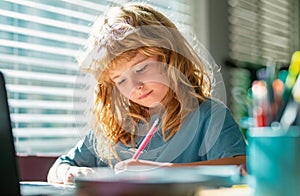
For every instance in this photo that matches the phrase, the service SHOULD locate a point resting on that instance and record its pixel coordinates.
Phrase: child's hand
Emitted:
(69, 174)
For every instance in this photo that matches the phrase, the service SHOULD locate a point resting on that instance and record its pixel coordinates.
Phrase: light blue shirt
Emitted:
(208, 133)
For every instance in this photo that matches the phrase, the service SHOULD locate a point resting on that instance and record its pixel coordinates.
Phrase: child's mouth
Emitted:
(145, 95)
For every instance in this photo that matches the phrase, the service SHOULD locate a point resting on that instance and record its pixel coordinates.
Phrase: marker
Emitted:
(296, 90)
(146, 140)
(290, 113)
(296, 96)
(260, 103)
(271, 68)
(277, 105)
(293, 72)
(282, 75)
(268, 75)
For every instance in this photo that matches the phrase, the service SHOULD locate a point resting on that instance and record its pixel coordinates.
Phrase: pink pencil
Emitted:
(146, 139)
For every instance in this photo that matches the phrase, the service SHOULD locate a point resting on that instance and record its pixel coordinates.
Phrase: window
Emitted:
(264, 29)
(39, 42)
(259, 30)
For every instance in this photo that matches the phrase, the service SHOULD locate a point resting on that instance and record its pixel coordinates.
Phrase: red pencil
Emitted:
(146, 139)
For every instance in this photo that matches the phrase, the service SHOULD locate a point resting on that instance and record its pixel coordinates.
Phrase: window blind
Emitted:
(39, 40)
(263, 29)
(260, 30)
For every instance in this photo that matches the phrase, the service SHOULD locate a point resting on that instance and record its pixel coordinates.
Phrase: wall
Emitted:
(212, 29)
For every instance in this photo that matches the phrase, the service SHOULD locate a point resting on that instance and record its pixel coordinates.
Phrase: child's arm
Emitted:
(236, 160)
(79, 160)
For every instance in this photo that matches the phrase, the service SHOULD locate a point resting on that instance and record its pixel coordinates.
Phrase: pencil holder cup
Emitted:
(273, 157)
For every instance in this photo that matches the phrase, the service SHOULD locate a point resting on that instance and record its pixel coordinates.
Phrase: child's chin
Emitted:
(157, 108)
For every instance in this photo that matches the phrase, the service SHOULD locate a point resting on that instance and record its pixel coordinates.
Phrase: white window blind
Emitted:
(263, 29)
(39, 40)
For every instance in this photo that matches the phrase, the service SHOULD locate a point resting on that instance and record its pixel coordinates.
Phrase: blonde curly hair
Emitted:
(121, 34)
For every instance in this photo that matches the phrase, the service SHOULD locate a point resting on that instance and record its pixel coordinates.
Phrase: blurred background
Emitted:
(39, 40)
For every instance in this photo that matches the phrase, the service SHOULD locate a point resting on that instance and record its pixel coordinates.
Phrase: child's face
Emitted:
(142, 80)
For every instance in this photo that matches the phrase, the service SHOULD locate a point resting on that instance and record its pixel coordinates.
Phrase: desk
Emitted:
(196, 181)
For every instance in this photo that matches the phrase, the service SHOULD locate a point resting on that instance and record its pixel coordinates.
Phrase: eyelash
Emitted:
(142, 69)
(120, 82)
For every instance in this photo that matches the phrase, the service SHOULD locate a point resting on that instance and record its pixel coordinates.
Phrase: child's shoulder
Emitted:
(214, 108)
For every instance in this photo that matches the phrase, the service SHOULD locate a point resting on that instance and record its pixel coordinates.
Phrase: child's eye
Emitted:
(121, 81)
(142, 69)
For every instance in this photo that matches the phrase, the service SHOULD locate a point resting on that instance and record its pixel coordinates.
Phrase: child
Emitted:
(146, 70)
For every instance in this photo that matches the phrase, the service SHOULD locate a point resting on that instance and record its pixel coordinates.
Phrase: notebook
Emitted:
(9, 171)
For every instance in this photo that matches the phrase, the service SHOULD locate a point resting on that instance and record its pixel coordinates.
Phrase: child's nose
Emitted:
(137, 83)
(140, 85)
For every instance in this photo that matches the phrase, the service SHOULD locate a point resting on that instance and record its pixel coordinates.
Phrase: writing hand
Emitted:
(138, 165)
(72, 172)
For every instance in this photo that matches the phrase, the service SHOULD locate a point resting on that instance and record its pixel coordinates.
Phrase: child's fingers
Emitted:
(74, 172)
